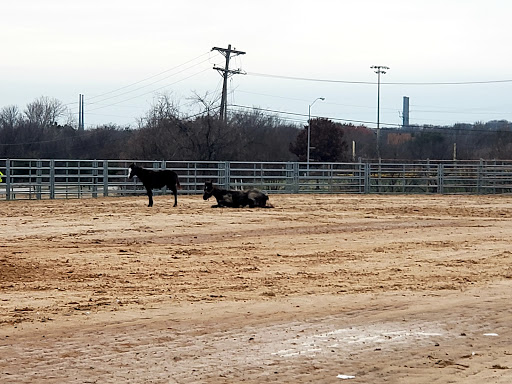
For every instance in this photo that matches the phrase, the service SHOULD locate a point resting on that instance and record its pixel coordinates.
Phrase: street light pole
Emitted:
(309, 126)
(378, 70)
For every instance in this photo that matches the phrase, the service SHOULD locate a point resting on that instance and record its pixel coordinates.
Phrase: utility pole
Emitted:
(379, 69)
(226, 73)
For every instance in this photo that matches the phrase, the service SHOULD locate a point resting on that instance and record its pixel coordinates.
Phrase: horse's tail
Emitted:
(178, 185)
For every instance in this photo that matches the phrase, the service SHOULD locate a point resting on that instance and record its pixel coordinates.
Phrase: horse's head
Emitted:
(208, 190)
(131, 170)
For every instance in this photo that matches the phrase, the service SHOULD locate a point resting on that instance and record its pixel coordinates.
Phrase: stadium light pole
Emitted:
(379, 69)
(309, 126)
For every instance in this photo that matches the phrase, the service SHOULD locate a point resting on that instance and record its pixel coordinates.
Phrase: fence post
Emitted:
(367, 177)
(95, 178)
(163, 167)
(440, 179)
(195, 178)
(8, 179)
(52, 179)
(79, 178)
(105, 178)
(291, 177)
(227, 174)
(38, 179)
(479, 177)
(295, 177)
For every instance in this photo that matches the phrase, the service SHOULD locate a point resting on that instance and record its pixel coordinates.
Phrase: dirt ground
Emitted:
(320, 289)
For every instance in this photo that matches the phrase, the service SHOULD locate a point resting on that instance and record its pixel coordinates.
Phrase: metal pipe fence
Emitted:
(55, 179)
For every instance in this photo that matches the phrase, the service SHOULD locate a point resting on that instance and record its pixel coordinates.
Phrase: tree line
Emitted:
(45, 129)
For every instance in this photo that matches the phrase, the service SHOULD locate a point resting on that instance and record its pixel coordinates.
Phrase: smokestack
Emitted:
(405, 114)
(81, 112)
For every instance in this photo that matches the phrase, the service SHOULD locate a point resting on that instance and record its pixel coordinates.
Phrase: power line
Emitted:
(147, 85)
(141, 81)
(416, 108)
(308, 79)
(306, 101)
(303, 115)
(152, 91)
(131, 91)
(435, 129)
(374, 83)
(150, 77)
(458, 112)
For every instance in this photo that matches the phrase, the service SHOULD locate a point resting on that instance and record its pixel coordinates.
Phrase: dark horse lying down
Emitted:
(235, 199)
(156, 179)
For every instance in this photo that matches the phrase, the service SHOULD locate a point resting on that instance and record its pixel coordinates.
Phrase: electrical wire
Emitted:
(308, 101)
(152, 77)
(461, 131)
(148, 85)
(303, 115)
(152, 91)
(414, 108)
(375, 83)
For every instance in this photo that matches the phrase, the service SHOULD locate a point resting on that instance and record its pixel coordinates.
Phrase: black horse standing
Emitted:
(156, 179)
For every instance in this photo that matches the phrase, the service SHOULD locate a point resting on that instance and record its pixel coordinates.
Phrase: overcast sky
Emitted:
(123, 54)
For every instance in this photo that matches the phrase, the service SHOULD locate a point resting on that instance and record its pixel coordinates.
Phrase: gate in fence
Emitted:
(53, 179)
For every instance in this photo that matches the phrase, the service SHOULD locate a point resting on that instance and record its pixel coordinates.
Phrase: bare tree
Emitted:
(263, 137)
(10, 116)
(44, 112)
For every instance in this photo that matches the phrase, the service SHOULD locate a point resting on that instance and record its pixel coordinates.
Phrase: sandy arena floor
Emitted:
(320, 289)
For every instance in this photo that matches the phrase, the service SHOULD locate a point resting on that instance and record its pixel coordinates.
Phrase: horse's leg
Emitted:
(150, 196)
(175, 193)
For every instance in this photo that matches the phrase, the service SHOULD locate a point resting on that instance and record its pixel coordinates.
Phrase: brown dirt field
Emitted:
(382, 289)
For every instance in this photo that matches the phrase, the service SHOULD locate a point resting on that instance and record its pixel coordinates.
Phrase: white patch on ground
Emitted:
(352, 339)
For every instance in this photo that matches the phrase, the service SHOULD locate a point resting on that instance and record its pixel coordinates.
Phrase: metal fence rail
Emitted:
(54, 179)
